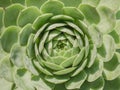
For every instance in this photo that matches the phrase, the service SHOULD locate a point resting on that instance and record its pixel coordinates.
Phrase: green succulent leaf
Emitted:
(90, 13)
(13, 11)
(107, 19)
(24, 34)
(59, 44)
(77, 81)
(1, 18)
(6, 69)
(10, 34)
(8, 85)
(27, 15)
(52, 6)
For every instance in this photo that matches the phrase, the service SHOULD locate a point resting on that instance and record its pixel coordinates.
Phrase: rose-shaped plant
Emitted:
(60, 45)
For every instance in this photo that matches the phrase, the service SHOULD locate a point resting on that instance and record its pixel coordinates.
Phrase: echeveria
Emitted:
(60, 45)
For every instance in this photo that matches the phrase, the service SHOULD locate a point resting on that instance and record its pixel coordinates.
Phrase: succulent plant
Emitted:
(59, 45)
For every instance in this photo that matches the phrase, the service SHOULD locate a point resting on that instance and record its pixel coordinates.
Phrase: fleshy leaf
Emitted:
(90, 13)
(118, 14)
(53, 66)
(73, 12)
(95, 71)
(60, 18)
(117, 26)
(96, 35)
(91, 2)
(1, 18)
(79, 57)
(28, 15)
(57, 79)
(77, 81)
(36, 3)
(116, 38)
(18, 1)
(24, 34)
(112, 84)
(65, 71)
(73, 3)
(108, 48)
(92, 55)
(107, 21)
(52, 6)
(81, 66)
(40, 83)
(9, 37)
(30, 47)
(58, 59)
(5, 85)
(112, 68)
(68, 62)
(41, 69)
(114, 5)
(13, 11)
(17, 55)
(95, 85)
(5, 3)
(41, 20)
(6, 70)
(60, 87)
(22, 78)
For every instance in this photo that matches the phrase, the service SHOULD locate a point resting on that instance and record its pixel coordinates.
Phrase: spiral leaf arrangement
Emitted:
(60, 45)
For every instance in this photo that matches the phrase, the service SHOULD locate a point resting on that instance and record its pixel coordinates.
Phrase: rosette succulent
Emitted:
(59, 45)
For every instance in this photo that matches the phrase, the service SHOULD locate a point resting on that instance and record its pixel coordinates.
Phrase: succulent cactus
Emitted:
(59, 45)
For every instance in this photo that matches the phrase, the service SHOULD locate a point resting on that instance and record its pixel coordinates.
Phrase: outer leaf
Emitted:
(61, 18)
(92, 55)
(41, 20)
(41, 84)
(9, 37)
(112, 68)
(6, 69)
(24, 34)
(95, 71)
(81, 66)
(118, 14)
(91, 2)
(113, 84)
(4, 3)
(30, 47)
(90, 13)
(11, 14)
(96, 35)
(77, 81)
(5, 85)
(107, 21)
(1, 18)
(108, 49)
(28, 15)
(95, 85)
(71, 2)
(17, 55)
(73, 12)
(114, 5)
(18, 1)
(22, 78)
(36, 3)
(52, 6)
